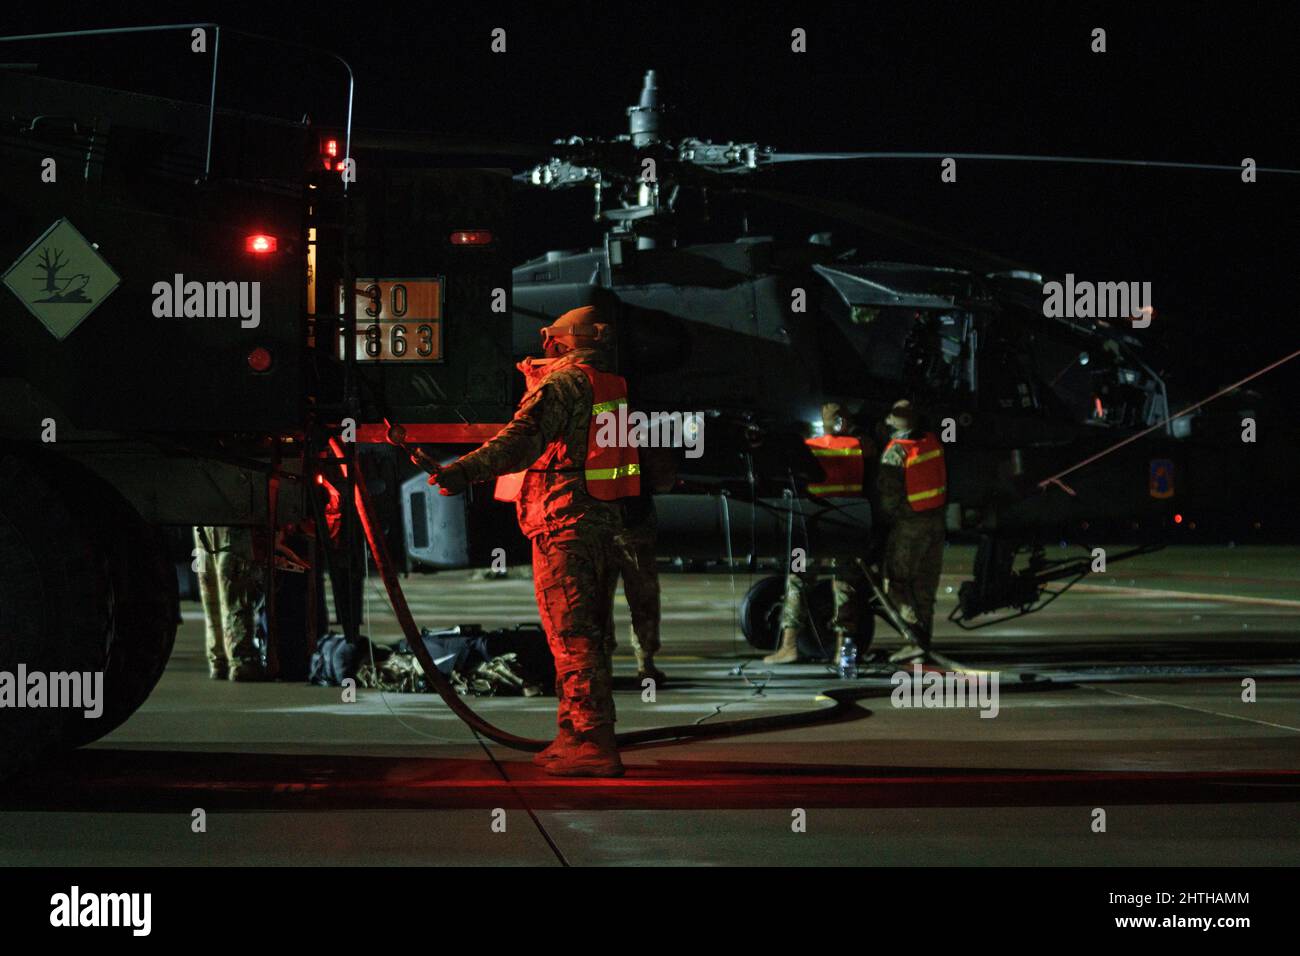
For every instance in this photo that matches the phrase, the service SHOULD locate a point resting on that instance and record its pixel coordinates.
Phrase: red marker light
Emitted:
(259, 244)
(1178, 519)
(259, 360)
(329, 147)
(471, 237)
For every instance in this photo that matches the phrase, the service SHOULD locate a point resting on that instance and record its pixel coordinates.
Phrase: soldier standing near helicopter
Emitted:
(842, 454)
(634, 561)
(913, 492)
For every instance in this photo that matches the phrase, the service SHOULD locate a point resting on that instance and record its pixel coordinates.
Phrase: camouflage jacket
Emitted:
(892, 481)
(548, 436)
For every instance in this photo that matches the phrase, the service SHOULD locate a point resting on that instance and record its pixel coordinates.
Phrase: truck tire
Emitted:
(146, 613)
(145, 610)
(55, 604)
(91, 589)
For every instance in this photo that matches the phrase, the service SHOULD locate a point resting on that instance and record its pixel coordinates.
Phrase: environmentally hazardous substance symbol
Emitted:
(61, 278)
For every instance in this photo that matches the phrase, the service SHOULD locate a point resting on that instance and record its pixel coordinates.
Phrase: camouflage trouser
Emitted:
(229, 583)
(634, 559)
(913, 560)
(572, 570)
(848, 587)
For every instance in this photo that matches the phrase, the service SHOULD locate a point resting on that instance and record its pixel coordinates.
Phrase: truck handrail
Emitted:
(216, 29)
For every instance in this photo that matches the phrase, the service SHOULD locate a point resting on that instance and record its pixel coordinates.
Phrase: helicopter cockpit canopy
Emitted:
(910, 325)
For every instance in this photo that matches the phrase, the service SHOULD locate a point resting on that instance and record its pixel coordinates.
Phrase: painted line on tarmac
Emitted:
(1199, 710)
(1199, 595)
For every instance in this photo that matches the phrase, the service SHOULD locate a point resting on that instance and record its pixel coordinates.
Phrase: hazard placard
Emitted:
(398, 320)
(61, 278)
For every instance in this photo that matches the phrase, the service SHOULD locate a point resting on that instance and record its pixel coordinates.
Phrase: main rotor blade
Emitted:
(418, 141)
(890, 227)
(1021, 158)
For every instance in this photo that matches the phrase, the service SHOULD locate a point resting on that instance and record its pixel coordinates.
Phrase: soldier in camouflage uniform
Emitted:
(914, 548)
(848, 588)
(847, 582)
(634, 561)
(572, 535)
(229, 583)
(634, 555)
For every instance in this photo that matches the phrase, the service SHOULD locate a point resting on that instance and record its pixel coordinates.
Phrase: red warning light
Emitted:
(259, 244)
(329, 147)
(259, 360)
(471, 237)
(1178, 519)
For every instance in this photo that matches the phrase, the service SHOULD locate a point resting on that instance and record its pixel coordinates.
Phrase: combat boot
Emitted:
(788, 652)
(248, 671)
(910, 651)
(645, 667)
(565, 739)
(593, 754)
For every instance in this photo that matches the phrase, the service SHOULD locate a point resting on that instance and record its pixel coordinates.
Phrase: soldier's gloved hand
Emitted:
(450, 480)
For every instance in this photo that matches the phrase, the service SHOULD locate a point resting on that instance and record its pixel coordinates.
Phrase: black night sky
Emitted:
(1189, 82)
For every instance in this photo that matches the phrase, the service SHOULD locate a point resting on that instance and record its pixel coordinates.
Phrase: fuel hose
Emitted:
(844, 705)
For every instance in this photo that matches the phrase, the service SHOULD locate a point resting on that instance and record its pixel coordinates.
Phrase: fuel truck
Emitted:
(213, 300)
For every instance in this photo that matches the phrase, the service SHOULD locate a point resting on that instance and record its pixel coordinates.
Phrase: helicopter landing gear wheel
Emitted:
(760, 619)
(760, 613)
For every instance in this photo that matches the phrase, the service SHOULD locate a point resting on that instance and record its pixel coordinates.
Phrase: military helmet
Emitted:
(830, 412)
(901, 417)
(578, 328)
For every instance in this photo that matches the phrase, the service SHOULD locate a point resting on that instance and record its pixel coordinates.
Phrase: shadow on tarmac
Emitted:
(100, 780)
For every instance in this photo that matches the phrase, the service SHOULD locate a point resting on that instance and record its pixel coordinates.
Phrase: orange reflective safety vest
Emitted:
(841, 459)
(611, 472)
(925, 472)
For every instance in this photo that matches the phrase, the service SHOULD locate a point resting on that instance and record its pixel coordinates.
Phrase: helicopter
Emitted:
(756, 333)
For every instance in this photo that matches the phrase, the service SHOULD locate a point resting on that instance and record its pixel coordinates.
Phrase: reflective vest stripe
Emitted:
(925, 470)
(602, 407)
(605, 474)
(840, 459)
(922, 495)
